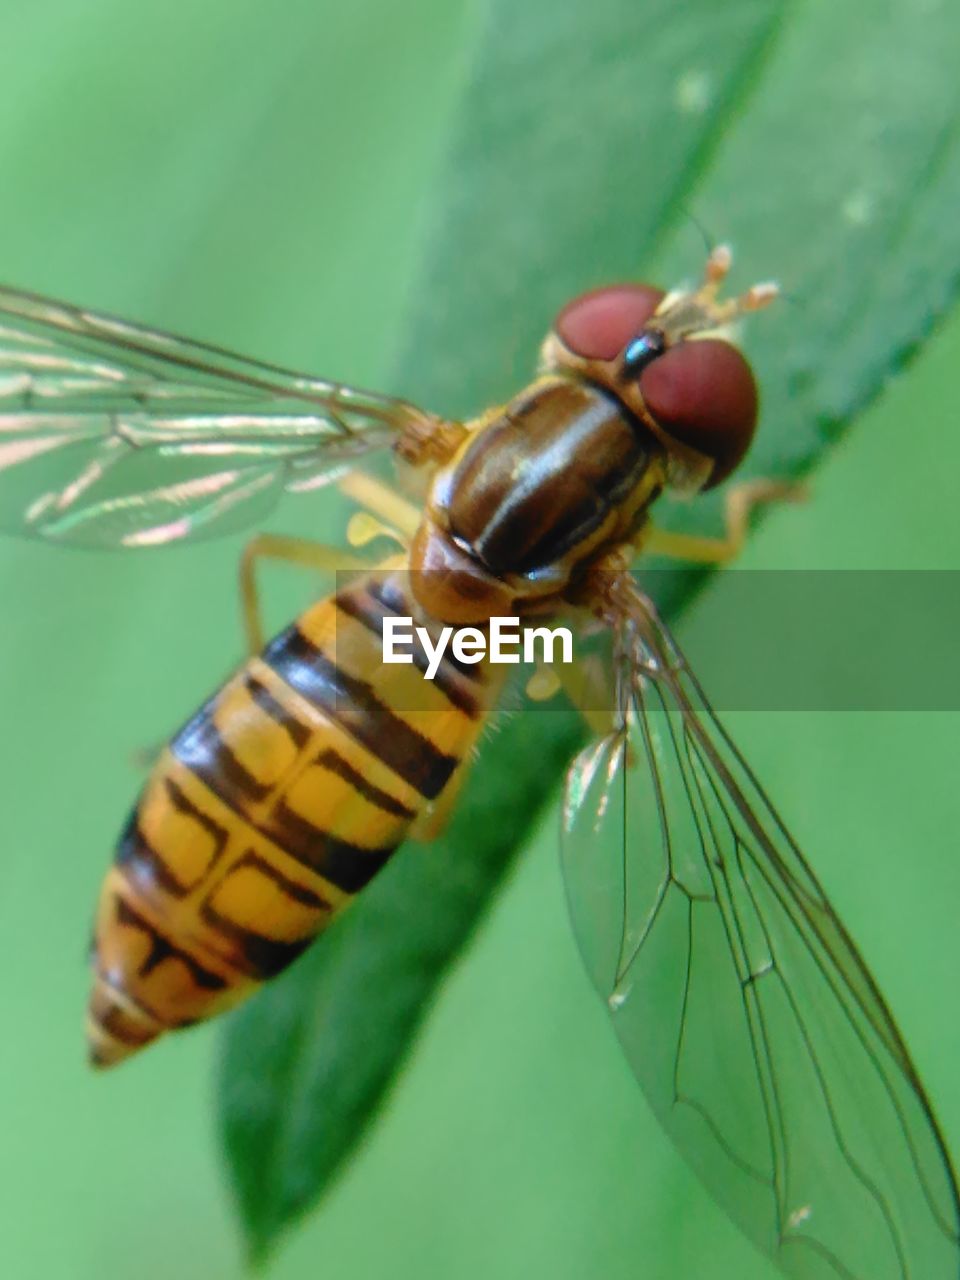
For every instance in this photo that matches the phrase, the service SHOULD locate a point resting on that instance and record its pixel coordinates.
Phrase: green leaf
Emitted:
(822, 142)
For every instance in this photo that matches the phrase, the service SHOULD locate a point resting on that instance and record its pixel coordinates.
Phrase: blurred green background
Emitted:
(260, 177)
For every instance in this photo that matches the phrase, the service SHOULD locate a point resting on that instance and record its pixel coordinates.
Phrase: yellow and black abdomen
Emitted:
(269, 811)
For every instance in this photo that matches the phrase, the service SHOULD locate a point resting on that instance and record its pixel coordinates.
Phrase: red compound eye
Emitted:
(701, 392)
(598, 325)
(704, 395)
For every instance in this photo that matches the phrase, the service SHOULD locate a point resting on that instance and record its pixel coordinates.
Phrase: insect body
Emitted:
(747, 1015)
(273, 806)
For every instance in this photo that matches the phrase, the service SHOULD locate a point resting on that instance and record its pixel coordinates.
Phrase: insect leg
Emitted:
(316, 556)
(584, 687)
(382, 501)
(740, 502)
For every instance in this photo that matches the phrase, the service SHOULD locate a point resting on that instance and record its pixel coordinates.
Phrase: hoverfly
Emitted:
(753, 1026)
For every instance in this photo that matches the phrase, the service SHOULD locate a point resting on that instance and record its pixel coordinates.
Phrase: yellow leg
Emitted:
(381, 500)
(588, 692)
(316, 556)
(740, 501)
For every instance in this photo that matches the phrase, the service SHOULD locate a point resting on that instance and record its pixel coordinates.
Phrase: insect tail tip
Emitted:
(114, 1032)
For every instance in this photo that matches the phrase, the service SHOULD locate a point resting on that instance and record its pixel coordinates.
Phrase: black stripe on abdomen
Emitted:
(200, 746)
(371, 605)
(149, 865)
(335, 763)
(262, 956)
(162, 949)
(353, 704)
(348, 866)
(202, 749)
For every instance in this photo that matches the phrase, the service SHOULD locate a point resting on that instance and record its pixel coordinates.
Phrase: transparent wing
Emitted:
(116, 435)
(756, 1031)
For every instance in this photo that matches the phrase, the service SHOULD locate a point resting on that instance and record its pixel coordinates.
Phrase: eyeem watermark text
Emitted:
(505, 641)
